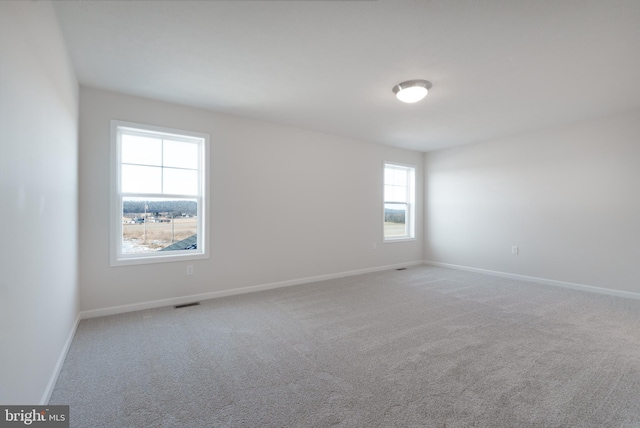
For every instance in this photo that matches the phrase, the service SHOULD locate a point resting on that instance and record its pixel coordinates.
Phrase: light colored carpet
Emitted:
(422, 347)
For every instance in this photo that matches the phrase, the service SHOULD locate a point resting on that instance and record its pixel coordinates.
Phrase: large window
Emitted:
(158, 205)
(399, 197)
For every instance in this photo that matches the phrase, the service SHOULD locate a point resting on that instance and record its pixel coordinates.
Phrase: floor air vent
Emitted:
(186, 305)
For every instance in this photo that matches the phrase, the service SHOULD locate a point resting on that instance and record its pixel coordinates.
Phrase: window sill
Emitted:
(392, 240)
(128, 261)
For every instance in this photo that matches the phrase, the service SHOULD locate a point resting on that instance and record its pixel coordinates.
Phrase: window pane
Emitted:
(395, 194)
(388, 175)
(180, 181)
(180, 154)
(400, 194)
(395, 216)
(388, 193)
(141, 179)
(399, 177)
(141, 150)
(154, 225)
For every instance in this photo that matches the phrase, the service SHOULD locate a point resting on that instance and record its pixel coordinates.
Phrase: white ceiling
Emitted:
(498, 67)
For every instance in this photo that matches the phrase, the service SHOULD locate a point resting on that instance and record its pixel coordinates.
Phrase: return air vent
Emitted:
(186, 305)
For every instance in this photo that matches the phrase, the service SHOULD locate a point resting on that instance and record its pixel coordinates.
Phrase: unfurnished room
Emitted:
(314, 213)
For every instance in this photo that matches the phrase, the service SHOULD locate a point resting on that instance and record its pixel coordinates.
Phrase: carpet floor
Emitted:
(421, 347)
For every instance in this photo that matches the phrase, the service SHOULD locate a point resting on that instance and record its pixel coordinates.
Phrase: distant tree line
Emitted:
(177, 208)
(394, 216)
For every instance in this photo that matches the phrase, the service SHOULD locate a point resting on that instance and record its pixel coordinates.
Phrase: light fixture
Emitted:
(412, 91)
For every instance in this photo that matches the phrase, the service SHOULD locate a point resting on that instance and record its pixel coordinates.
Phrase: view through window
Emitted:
(399, 194)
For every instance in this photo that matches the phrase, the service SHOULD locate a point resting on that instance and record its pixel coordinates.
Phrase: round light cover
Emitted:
(412, 91)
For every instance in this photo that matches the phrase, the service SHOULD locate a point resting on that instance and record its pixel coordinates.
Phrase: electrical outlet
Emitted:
(189, 269)
(515, 250)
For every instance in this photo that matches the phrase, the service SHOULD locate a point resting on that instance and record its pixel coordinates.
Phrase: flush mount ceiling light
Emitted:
(412, 91)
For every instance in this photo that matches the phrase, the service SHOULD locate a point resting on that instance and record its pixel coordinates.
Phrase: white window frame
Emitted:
(117, 258)
(411, 205)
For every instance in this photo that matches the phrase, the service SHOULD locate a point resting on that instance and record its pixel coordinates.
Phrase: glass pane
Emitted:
(395, 176)
(395, 216)
(156, 224)
(395, 194)
(179, 154)
(141, 150)
(141, 179)
(400, 194)
(388, 193)
(180, 181)
(388, 175)
(399, 177)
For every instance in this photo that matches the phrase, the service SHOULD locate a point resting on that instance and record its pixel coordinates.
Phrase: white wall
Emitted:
(330, 188)
(38, 190)
(569, 198)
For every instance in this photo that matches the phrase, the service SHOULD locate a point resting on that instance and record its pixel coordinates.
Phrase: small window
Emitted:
(158, 206)
(399, 197)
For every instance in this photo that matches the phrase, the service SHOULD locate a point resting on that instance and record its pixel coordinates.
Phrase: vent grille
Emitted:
(187, 305)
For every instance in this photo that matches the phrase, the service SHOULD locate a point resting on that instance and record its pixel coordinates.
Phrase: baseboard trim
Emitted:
(113, 310)
(46, 396)
(553, 282)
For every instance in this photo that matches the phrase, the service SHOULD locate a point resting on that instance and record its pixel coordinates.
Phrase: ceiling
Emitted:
(498, 67)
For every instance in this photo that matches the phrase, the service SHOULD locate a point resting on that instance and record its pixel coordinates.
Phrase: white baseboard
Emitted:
(564, 284)
(113, 310)
(58, 367)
